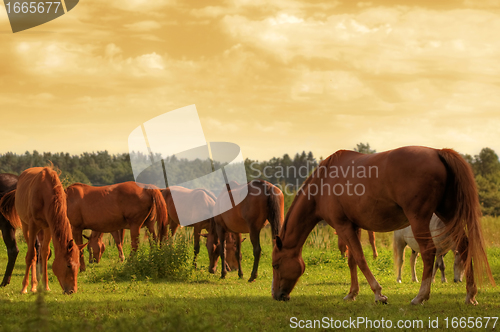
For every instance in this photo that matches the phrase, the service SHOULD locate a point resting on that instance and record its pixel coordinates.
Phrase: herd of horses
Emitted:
(427, 196)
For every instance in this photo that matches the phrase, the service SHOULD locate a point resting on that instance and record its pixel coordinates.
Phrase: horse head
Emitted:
(288, 266)
(66, 266)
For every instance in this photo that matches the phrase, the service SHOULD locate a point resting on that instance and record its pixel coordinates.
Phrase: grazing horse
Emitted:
(97, 247)
(111, 208)
(383, 192)
(371, 237)
(264, 202)
(404, 237)
(39, 203)
(8, 182)
(213, 248)
(200, 201)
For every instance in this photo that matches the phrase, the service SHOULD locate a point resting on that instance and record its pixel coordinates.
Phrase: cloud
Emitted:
(143, 26)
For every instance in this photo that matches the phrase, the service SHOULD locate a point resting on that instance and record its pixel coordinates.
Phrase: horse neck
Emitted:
(300, 220)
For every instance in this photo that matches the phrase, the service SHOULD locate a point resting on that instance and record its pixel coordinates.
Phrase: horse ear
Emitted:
(279, 244)
(70, 245)
(82, 246)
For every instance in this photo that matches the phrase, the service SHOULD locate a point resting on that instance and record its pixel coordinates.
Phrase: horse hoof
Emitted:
(417, 301)
(240, 276)
(471, 301)
(350, 297)
(381, 298)
(251, 279)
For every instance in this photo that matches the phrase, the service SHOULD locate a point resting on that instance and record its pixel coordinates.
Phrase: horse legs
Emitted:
(420, 229)
(439, 265)
(471, 288)
(221, 234)
(342, 246)
(118, 236)
(371, 237)
(255, 239)
(458, 267)
(45, 250)
(78, 237)
(134, 236)
(196, 236)
(349, 234)
(399, 253)
(238, 253)
(353, 269)
(9, 237)
(413, 265)
(30, 259)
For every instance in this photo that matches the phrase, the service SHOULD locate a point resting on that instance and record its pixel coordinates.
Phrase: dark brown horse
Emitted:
(201, 202)
(111, 208)
(371, 237)
(39, 203)
(383, 192)
(264, 202)
(8, 182)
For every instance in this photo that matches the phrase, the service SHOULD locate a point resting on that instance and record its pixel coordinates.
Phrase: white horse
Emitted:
(404, 237)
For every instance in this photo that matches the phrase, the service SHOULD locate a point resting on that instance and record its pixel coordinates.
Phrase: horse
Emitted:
(384, 192)
(8, 182)
(111, 208)
(404, 237)
(371, 237)
(213, 248)
(97, 247)
(200, 201)
(264, 202)
(39, 203)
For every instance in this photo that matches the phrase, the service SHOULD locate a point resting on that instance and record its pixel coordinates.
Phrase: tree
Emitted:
(364, 148)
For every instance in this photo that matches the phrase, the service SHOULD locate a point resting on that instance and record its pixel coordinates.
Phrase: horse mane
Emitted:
(58, 208)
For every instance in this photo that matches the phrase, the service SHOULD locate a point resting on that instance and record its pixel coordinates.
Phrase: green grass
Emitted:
(109, 301)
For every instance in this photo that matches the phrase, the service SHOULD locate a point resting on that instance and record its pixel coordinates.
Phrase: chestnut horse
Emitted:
(201, 202)
(8, 182)
(39, 203)
(264, 202)
(371, 237)
(404, 237)
(111, 208)
(383, 192)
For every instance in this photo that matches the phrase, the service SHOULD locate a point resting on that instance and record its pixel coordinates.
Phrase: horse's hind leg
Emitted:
(371, 238)
(342, 246)
(439, 265)
(399, 253)
(463, 249)
(221, 234)
(9, 237)
(413, 265)
(78, 238)
(353, 269)
(119, 236)
(349, 234)
(423, 237)
(238, 253)
(255, 239)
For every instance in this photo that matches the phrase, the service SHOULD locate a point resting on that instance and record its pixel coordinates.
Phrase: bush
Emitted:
(170, 261)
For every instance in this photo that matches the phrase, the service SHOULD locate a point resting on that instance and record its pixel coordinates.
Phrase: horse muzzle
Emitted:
(281, 296)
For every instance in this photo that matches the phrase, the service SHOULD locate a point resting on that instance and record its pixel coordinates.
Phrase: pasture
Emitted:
(199, 301)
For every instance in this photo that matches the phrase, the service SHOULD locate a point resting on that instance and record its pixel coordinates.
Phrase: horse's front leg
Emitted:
(428, 252)
(45, 250)
(196, 236)
(221, 234)
(134, 236)
(353, 269)
(349, 234)
(238, 253)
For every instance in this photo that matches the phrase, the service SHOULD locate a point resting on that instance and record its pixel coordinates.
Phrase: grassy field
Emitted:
(107, 302)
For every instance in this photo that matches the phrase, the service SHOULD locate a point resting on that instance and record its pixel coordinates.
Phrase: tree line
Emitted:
(101, 168)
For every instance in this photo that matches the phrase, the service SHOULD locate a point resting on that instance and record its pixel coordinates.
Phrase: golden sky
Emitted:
(275, 77)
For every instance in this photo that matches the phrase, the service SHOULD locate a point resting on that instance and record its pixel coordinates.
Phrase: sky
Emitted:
(274, 77)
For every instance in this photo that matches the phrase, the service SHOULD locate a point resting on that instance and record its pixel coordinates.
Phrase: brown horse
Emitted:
(97, 247)
(201, 202)
(111, 208)
(39, 203)
(371, 237)
(383, 192)
(8, 182)
(264, 202)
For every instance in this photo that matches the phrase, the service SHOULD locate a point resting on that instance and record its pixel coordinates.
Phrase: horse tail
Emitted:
(8, 208)
(275, 208)
(161, 213)
(465, 224)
